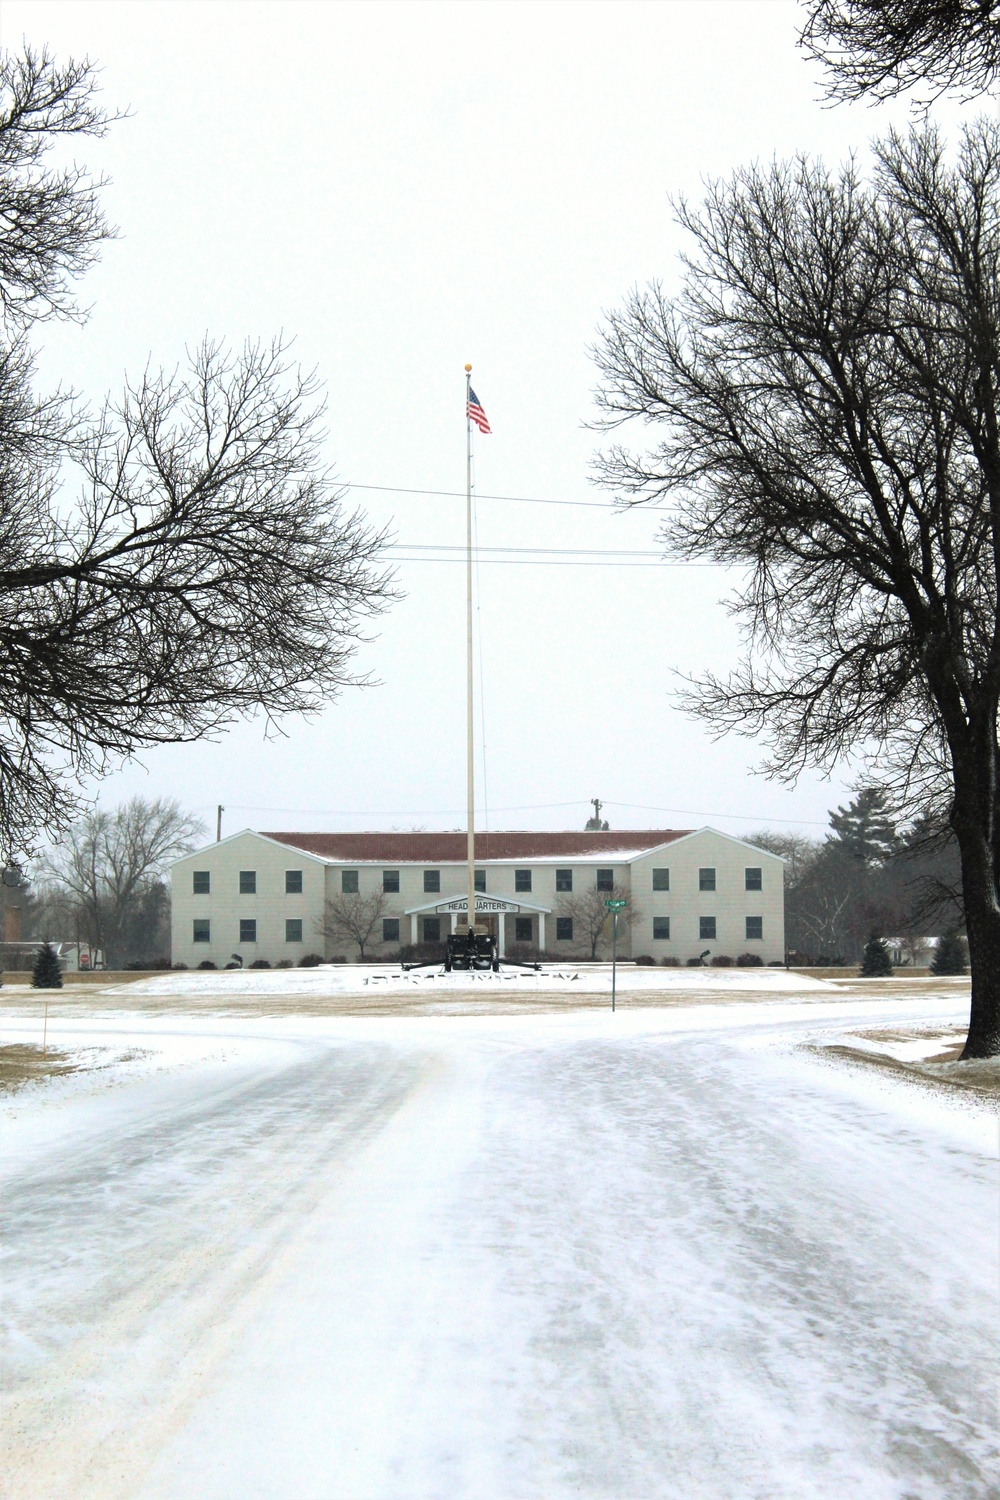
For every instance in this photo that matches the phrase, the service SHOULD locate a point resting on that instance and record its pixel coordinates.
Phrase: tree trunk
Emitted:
(983, 927)
(972, 818)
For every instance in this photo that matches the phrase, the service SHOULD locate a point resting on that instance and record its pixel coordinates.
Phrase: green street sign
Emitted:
(615, 905)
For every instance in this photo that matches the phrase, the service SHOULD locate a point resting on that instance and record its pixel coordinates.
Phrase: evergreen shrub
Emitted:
(876, 962)
(310, 961)
(207, 963)
(749, 961)
(949, 957)
(46, 972)
(722, 961)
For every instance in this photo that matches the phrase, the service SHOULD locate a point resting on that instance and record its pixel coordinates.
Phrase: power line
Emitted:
(561, 551)
(528, 562)
(610, 507)
(689, 812)
(539, 556)
(539, 551)
(393, 812)
(447, 812)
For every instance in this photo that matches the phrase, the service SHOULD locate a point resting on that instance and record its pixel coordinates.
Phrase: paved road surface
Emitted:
(672, 1256)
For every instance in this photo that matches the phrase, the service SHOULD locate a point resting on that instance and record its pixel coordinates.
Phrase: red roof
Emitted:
(450, 848)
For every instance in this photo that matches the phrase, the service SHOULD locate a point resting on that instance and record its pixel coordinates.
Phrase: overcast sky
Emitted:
(402, 188)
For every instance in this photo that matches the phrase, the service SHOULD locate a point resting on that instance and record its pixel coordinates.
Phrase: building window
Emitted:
(248, 882)
(564, 880)
(201, 882)
(564, 929)
(605, 880)
(293, 929)
(661, 880)
(755, 929)
(432, 926)
(293, 882)
(432, 882)
(349, 882)
(661, 929)
(390, 929)
(754, 878)
(480, 880)
(202, 930)
(522, 930)
(390, 881)
(706, 929)
(706, 878)
(248, 929)
(522, 880)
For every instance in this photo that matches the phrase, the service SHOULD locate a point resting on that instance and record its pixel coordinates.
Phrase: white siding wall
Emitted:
(730, 903)
(224, 906)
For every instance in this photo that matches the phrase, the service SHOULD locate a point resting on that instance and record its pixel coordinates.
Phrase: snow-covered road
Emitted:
(661, 1254)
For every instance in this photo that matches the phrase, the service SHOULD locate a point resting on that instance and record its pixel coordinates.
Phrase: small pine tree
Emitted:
(950, 955)
(876, 962)
(47, 971)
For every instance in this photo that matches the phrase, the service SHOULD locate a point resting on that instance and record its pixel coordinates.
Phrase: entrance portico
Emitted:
(488, 909)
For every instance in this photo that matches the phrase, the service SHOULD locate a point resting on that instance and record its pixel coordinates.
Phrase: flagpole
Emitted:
(470, 761)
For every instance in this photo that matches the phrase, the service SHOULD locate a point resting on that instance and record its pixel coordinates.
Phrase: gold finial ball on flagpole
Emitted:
(468, 369)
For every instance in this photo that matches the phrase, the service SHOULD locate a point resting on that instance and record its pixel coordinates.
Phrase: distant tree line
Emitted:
(105, 885)
(868, 876)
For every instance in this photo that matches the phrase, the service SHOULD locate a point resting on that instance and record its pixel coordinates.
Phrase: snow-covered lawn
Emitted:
(674, 1252)
(571, 979)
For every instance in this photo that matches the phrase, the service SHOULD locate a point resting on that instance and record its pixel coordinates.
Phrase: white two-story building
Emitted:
(266, 895)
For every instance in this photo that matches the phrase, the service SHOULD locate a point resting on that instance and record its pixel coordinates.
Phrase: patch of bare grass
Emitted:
(375, 1002)
(23, 1062)
(939, 1070)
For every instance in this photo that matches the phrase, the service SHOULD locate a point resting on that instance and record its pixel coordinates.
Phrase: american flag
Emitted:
(475, 412)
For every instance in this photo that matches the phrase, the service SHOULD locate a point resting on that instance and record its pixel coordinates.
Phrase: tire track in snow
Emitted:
(193, 1252)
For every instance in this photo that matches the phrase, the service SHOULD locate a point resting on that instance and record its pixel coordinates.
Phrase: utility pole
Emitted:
(594, 824)
(218, 822)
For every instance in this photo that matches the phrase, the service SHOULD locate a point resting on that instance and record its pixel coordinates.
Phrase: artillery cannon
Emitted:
(471, 950)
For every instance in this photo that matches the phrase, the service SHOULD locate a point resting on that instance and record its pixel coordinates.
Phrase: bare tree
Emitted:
(107, 872)
(826, 387)
(794, 848)
(208, 571)
(179, 561)
(52, 223)
(353, 915)
(590, 914)
(877, 50)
